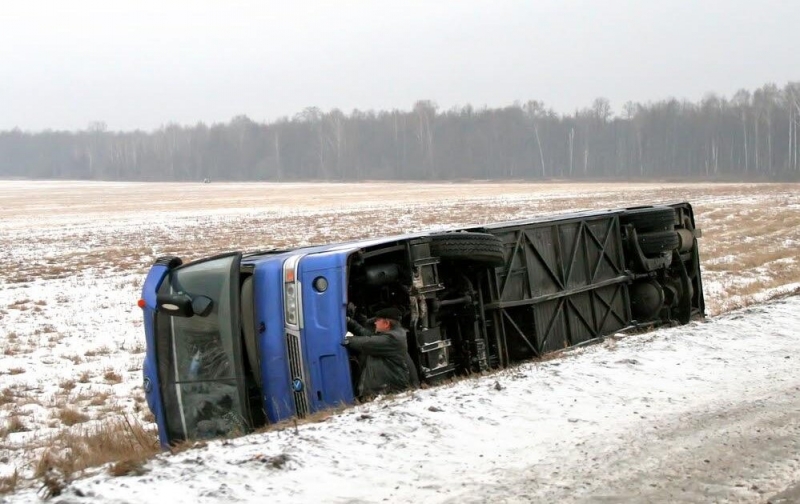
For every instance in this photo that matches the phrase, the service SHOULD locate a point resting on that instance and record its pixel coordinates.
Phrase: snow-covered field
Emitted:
(629, 419)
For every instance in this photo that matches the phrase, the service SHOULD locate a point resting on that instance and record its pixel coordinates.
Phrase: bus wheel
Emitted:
(660, 218)
(653, 244)
(473, 247)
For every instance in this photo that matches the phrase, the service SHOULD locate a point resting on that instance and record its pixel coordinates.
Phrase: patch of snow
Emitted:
(540, 431)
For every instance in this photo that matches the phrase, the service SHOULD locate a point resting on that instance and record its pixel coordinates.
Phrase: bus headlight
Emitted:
(291, 292)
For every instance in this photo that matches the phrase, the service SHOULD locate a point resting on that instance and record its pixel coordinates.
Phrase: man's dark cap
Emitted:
(389, 313)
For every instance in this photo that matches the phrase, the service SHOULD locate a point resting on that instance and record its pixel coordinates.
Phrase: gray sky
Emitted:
(146, 63)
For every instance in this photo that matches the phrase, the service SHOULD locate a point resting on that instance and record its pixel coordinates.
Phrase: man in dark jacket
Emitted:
(386, 365)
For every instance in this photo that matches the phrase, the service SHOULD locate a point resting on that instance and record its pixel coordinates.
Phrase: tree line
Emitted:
(752, 135)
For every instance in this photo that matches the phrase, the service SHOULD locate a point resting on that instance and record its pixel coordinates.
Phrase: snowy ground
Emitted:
(704, 413)
(630, 419)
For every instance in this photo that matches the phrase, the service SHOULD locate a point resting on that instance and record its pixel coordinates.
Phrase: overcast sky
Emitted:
(146, 63)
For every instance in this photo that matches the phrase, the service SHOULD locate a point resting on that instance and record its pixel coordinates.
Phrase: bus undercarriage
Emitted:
(487, 297)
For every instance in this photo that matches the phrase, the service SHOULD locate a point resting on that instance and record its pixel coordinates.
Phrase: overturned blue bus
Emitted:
(241, 340)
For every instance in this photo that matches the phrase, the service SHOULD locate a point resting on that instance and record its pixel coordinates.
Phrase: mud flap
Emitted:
(642, 262)
(684, 311)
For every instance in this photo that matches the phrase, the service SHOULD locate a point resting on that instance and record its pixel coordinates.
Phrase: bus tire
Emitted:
(659, 218)
(482, 248)
(653, 244)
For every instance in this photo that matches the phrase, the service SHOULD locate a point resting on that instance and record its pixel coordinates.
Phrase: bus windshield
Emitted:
(201, 389)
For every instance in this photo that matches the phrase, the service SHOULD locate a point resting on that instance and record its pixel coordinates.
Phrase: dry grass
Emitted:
(87, 394)
(47, 329)
(75, 359)
(750, 250)
(136, 348)
(20, 304)
(113, 408)
(9, 483)
(13, 425)
(111, 440)
(123, 250)
(111, 376)
(67, 385)
(127, 467)
(104, 350)
(316, 417)
(745, 220)
(71, 416)
(8, 396)
(12, 350)
(100, 399)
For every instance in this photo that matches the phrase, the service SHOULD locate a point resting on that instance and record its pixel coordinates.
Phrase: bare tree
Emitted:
(535, 110)
(741, 100)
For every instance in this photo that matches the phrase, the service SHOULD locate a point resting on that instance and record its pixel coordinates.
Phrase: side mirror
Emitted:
(201, 305)
(183, 305)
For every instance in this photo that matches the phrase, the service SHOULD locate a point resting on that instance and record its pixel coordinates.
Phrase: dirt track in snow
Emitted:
(715, 455)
